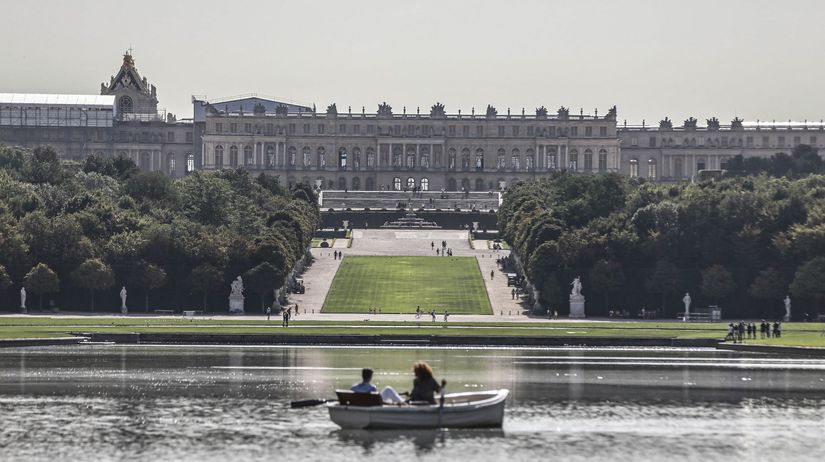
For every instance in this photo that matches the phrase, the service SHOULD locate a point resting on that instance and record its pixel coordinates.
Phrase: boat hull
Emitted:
(461, 410)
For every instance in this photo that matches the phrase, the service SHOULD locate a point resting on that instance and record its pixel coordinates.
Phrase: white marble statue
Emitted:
(686, 300)
(237, 287)
(23, 299)
(123, 308)
(577, 287)
(787, 308)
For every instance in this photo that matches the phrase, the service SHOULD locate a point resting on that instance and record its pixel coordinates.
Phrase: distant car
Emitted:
(512, 279)
(298, 286)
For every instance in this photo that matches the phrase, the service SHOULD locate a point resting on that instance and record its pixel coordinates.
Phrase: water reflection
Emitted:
(219, 403)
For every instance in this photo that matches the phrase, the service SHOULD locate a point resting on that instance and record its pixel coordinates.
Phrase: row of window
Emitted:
(411, 160)
(413, 130)
(400, 184)
(725, 142)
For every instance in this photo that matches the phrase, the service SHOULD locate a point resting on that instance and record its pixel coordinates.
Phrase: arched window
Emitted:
(219, 156)
(551, 158)
(233, 156)
(479, 184)
(465, 184)
(356, 159)
(410, 183)
(651, 169)
(125, 105)
(451, 160)
(356, 184)
(602, 160)
(248, 155)
(342, 183)
(342, 158)
(501, 162)
(573, 163)
(306, 157)
(425, 184)
(465, 158)
(424, 158)
(410, 163)
(190, 163)
(397, 156)
(369, 184)
(515, 160)
(396, 184)
(528, 160)
(634, 168)
(370, 158)
(451, 184)
(588, 160)
(170, 164)
(292, 154)
(678, 168)
(270, 155)
(479, 159)
(322, 157)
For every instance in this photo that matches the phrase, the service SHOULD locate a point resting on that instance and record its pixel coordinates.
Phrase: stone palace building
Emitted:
(382, 150)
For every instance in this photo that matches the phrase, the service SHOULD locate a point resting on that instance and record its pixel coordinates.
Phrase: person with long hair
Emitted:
(424, 385)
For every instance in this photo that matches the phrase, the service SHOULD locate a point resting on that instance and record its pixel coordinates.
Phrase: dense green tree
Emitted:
(606, 277)
(809, 280)
(664, 280)
(204, 279)
(263, 279)
(41, 280)
(717, 283)
(93, 275)
(149, 186)
(5, 280)
(769, 284)
(148, 277)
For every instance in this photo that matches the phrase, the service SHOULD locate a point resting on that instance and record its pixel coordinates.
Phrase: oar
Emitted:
(309, 403)
(441, 401)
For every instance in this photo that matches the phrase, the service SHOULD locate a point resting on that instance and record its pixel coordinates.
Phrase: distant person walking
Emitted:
(432, 244)
(418, 312)
(432, 313)
(446, 315)
(285, 317)
(268, 312)
(513, 294)
(296, 309)
(492, 274)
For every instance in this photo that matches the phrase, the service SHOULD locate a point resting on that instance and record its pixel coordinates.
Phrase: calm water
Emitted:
(225, 403)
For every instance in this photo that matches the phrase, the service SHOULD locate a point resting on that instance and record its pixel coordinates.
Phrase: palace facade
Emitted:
(382, 150)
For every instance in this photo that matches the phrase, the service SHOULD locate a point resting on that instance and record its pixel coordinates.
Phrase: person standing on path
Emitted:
(432, 313)
(492, 273)
(432, 244)
(268, 312)
(446, 315)
(296, 309)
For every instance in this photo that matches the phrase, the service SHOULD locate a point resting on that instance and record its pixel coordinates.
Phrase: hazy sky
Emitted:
(752, 58)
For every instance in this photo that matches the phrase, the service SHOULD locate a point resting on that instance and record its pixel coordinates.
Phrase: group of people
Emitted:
(286, 315)
(742, 330)
(337, 255)
(433, 313)
(423, 391)
(443, 251)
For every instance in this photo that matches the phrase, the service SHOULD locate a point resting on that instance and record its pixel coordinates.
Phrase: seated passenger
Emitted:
(424, 385)
(365, 386)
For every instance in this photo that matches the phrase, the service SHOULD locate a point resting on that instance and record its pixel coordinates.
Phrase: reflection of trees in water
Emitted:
(423, 441)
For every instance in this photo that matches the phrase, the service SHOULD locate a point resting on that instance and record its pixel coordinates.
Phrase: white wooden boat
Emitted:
(460, 410)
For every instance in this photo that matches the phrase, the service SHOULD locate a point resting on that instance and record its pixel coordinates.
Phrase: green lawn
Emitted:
(399, 284)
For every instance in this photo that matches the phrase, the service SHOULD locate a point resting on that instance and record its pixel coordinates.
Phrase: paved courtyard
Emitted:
(383, 242)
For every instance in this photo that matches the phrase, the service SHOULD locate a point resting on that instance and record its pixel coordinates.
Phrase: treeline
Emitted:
(76, 232)
(802, 161)
(742, 243)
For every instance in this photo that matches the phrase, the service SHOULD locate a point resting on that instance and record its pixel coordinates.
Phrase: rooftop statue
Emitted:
(384, 110)
(611, 114)
(281, 110)
(564, 113)
(332, 110)
(690, 124)
(665, 124)
(259, 109)
(736, 124)
(713, 123)
(491, 112)
(437, 110)
(541, 112)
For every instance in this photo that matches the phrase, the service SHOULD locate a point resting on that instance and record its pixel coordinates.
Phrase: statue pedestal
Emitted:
(786, 318)
(124, 311)
(236, 304)
(577, 307)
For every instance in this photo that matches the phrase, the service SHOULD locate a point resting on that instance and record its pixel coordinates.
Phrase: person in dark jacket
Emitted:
(424, 385)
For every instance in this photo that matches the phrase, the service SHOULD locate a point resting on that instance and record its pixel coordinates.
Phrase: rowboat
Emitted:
(460, 410)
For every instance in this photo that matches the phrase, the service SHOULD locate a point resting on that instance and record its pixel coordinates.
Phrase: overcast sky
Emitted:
(758, 59)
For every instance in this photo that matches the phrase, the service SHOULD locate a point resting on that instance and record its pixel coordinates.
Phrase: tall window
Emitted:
(248, 156)
(322, 158)
(451, 160)
(551, 159)
(410, 159)
(356, 158)
(465, 158)
(651, 169)
(479, 159)
(678, 168)
(634, 168)
(342, 157)
(170, 164)
(573, 165)
(396, 184)
(500, 160)
(588, 160)
(425, 184)
(292, 154)
(270, 155)
(306, 157)
(190, 163)
(370, 158)
(700, 164)
(410, 183)
(602, 160)
(219, 156)
(528, 162)
(233, 156)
